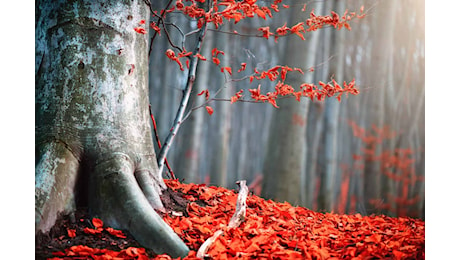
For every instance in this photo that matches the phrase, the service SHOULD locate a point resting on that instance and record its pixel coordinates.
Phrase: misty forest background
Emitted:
(364, 154)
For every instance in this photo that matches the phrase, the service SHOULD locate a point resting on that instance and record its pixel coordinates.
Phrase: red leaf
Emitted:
(97, 223)
(243, 67)
(201, 57)
(71, 233)
(210, 110)
(134, 251)
(260, 13)
(140, 30)
(91, 231)
(206, 92)
(215, 52)
(266, 31)
(114, 232)
(228, 69)
(216, 60)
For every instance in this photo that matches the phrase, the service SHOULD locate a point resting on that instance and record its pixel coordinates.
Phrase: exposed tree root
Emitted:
(118, 194)
(120, 202)
(55, 179)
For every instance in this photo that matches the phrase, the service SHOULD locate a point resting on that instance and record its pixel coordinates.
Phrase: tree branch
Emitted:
(183, 104)
(160, 19)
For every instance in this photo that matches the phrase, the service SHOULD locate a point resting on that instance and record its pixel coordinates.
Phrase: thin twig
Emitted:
(160, 20)
(171, 173)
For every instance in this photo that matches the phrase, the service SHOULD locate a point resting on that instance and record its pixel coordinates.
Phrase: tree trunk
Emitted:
(219, 163)
(287, 148)
(331, 115)
(92, 120)
(379, 77)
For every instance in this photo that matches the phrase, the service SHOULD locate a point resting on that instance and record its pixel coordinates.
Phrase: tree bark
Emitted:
(92, 120)
(219, 163)
(287, 148)
(331, 116)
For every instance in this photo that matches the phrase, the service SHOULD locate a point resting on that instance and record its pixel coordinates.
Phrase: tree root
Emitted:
(55, 180)
(122, 196)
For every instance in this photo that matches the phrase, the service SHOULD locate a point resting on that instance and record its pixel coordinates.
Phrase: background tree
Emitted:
(284, 168)
(250, 123)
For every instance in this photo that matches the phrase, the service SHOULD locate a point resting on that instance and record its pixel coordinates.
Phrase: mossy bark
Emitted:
(92, 118)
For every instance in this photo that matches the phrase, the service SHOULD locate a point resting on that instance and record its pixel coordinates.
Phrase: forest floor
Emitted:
(270, 230)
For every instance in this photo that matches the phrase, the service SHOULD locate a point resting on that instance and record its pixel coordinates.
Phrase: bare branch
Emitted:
(160, 20)
(183, 104)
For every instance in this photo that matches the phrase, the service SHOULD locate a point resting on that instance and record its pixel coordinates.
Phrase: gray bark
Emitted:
(331, 116)
(219, 163)
(92, 119)
(285, 160)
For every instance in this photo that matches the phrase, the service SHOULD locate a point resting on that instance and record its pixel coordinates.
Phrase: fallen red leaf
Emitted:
(92, 231)
(71, 232)
(114, 232)
(97, 223)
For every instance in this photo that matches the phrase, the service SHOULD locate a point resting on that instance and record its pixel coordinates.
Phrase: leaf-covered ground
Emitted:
(271, 230)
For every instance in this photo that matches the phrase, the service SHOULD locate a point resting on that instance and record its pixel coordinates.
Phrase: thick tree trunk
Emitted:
(92, 120)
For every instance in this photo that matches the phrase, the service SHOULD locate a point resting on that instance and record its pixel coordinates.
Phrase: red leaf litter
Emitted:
(270, 230)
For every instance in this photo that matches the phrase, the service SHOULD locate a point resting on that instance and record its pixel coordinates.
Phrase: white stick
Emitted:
(235, 221)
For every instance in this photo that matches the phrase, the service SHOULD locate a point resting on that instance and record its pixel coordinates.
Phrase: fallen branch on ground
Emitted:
(235, 221)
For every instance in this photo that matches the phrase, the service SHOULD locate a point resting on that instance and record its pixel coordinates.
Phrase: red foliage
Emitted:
(205, 92)
(397, 165)
(280, 231)
(235, 11)
(273, 230)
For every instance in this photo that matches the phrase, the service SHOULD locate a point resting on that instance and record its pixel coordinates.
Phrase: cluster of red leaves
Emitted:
(209, 109)
(313, 23)
(238, 10)
(273, 230)
(306, 89)
(278, 72)
(229, 9)
(172, 56)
